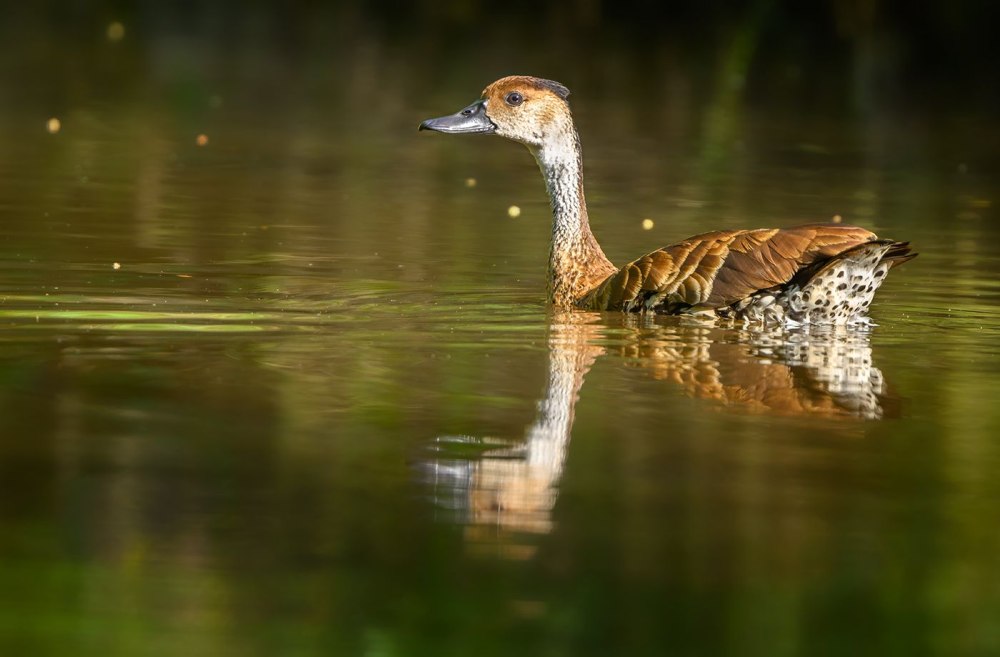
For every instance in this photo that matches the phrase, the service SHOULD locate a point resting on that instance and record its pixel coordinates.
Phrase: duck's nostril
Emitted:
(466, 112)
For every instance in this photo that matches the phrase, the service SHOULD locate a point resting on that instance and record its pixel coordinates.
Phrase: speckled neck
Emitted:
(576, 261)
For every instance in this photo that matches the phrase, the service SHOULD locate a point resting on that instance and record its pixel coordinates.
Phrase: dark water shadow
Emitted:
(512, 484)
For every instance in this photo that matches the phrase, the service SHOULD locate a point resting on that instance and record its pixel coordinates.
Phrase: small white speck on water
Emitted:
(116, 32)
(836, 219)
(647, 224)
(116, 265)
(470, 182)
(53, 125)
(513, 212)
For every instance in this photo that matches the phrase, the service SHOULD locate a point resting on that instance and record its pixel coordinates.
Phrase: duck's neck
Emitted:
(576, 262)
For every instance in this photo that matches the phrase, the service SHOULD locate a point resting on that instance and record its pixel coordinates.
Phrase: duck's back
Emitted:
(767, 274)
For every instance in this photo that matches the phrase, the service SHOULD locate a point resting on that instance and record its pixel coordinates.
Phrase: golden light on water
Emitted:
(513, 212)
(647, 224)
(53, 125)
(201, 140)
(116, 31)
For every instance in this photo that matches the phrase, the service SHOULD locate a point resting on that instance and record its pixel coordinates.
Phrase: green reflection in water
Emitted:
(236, 461)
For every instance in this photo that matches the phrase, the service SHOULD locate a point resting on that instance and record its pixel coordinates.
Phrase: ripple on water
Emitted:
(165, 304)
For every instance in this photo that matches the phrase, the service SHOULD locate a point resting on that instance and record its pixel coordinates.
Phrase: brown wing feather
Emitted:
(716, 269)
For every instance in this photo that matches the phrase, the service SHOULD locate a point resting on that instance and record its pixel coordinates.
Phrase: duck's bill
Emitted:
(470, 120)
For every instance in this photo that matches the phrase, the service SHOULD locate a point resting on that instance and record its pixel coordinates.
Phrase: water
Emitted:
(295, 391)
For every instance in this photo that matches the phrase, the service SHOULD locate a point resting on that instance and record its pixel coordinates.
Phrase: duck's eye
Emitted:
(514, 99)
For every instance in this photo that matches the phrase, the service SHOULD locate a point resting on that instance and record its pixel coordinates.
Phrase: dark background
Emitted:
(829, 56)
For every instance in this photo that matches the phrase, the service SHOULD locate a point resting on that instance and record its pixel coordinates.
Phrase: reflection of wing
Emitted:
(511, 487)
(776, 372)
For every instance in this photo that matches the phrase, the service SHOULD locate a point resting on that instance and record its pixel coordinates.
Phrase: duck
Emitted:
(820, 273)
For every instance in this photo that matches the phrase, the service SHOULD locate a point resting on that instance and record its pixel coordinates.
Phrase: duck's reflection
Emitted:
(512, 486)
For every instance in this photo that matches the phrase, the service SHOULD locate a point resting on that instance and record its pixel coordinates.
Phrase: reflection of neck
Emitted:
(519, 494)
(548, 437)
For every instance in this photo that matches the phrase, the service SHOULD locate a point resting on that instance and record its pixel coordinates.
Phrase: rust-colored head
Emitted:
(525, 109)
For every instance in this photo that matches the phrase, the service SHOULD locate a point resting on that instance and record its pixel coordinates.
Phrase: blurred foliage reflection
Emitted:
(241, 298)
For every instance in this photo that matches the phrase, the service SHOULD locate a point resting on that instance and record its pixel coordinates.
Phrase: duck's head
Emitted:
(519, 107)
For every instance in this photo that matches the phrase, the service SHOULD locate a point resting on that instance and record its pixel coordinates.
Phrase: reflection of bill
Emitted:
(512, 487)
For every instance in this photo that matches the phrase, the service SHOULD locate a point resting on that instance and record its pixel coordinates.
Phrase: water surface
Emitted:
(296, 391)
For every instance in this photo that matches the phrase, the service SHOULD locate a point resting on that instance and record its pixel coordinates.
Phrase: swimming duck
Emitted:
(817, 273)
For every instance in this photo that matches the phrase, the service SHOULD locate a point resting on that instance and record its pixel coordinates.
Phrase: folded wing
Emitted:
(717, 269)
